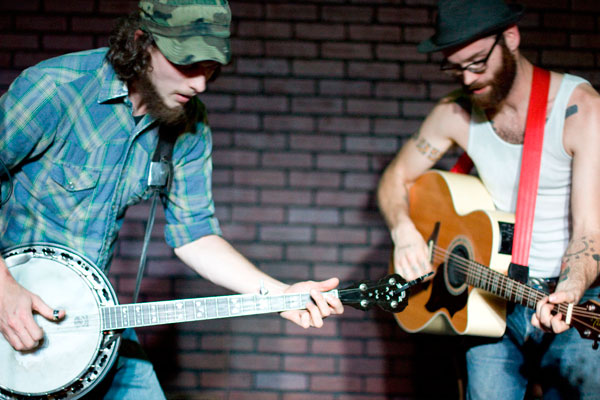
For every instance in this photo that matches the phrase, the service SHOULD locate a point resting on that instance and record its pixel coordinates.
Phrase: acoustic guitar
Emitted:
(470, 249)
(77, 352)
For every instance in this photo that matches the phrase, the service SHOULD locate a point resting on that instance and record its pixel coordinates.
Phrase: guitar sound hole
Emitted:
(457, 265)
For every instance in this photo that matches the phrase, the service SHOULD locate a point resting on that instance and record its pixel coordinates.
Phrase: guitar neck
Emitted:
(175, 311)
(485, 278)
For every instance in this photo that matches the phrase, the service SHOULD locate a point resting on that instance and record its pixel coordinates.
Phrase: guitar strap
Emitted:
(463, 165)
(159, 179)
(529, 175)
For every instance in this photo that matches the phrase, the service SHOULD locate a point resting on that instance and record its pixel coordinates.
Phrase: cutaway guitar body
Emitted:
(457, 213)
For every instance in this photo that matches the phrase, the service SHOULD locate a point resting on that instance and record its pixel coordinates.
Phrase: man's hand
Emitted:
(322, 307)
(543, 318)
(17, 305)
(411, 255)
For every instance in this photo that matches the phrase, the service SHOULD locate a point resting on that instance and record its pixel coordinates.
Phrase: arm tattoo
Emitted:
(579, 248)
(426, 148)
(571, 110)
(578, 252)
(564, 274)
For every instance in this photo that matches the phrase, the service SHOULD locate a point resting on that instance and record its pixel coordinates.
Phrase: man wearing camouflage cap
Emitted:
(78, 133)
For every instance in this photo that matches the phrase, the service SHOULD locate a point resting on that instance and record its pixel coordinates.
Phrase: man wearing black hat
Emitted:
(479, 42)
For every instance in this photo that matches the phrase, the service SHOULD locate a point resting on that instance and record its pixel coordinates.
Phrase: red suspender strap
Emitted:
(530, 166)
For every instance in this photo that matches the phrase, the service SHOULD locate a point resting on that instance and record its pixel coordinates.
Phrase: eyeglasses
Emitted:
(477, 67)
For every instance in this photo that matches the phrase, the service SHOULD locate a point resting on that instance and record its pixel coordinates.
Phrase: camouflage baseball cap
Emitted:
(188, 31)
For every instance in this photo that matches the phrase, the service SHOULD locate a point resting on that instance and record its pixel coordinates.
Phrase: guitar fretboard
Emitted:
(494, 282)
(175, 311)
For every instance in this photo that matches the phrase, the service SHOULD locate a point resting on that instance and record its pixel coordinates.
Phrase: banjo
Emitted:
(77, 352)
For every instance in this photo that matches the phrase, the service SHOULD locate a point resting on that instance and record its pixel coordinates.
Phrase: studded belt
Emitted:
(546, 284)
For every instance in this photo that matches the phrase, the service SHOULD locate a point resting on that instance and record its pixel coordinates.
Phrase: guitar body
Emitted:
(461, 211)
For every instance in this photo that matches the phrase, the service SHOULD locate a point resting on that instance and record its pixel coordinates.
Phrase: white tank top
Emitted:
(498, 164)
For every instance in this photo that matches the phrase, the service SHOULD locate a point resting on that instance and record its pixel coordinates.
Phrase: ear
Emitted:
(512, 37)
(137, 34)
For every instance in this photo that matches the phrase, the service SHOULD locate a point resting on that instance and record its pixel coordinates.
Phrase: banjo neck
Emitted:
(198, 309)
(389, 293)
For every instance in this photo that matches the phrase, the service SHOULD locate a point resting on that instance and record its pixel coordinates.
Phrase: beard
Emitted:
(500, 84)
(157, 108)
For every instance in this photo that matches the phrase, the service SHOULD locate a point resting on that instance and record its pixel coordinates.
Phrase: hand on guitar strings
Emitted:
(544, 317)
(321, 307)
(17, 306)
(411, 254)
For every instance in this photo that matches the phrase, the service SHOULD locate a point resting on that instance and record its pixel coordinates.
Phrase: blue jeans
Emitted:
(565, 365)
(131, 378)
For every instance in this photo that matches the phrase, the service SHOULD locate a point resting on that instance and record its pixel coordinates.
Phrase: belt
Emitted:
(546, 284)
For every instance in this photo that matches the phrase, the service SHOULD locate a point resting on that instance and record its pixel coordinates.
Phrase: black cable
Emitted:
(6, 172)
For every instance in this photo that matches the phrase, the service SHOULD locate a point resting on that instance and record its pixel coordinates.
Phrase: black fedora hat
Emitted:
(462, 21)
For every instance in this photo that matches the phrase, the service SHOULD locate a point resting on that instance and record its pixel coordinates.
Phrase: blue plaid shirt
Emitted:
(79, 160)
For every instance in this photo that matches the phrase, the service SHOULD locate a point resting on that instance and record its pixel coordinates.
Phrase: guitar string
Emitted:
(579, 310)
(158, 318)
(162, 315)
(465, 267)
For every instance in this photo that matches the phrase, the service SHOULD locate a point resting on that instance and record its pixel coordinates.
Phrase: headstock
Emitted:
(586, 319)
(390, 293)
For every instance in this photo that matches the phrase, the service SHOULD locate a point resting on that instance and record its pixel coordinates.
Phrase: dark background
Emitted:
(317, 99)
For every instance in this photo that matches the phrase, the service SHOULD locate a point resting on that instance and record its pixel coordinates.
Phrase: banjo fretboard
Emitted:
(175, 311)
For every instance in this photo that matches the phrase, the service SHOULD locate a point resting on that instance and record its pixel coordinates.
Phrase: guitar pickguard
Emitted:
(441, 298)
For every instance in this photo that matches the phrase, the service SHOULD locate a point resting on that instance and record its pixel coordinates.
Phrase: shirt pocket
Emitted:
(71, 189)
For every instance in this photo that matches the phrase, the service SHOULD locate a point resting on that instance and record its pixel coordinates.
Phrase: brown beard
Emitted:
(156, 106)
(500, 84)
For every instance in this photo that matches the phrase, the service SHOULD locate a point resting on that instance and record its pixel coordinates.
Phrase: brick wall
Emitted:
(319, 96)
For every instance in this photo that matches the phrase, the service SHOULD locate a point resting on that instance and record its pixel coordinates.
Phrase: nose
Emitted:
(469, 77)
(197, 83)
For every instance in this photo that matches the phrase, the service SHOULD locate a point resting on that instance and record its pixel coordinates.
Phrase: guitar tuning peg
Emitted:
(595, 345)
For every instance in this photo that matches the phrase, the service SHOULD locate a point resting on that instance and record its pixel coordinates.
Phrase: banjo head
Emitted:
(75, 353)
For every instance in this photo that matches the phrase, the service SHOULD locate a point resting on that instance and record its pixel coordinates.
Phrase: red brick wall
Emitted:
(319, 96)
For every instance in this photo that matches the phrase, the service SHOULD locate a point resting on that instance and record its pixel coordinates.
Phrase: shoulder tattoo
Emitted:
(571, 110)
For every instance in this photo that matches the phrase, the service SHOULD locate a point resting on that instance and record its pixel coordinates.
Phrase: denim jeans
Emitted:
(565, 365)
(131, 378)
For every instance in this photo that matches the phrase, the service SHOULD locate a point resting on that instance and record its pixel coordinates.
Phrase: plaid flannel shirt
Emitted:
(79, 160)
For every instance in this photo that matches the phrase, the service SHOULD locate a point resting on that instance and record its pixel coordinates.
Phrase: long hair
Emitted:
(129, 57)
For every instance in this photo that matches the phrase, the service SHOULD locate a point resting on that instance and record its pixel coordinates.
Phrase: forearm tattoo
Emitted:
(427, 149)
(564, 274)
(577, 255)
